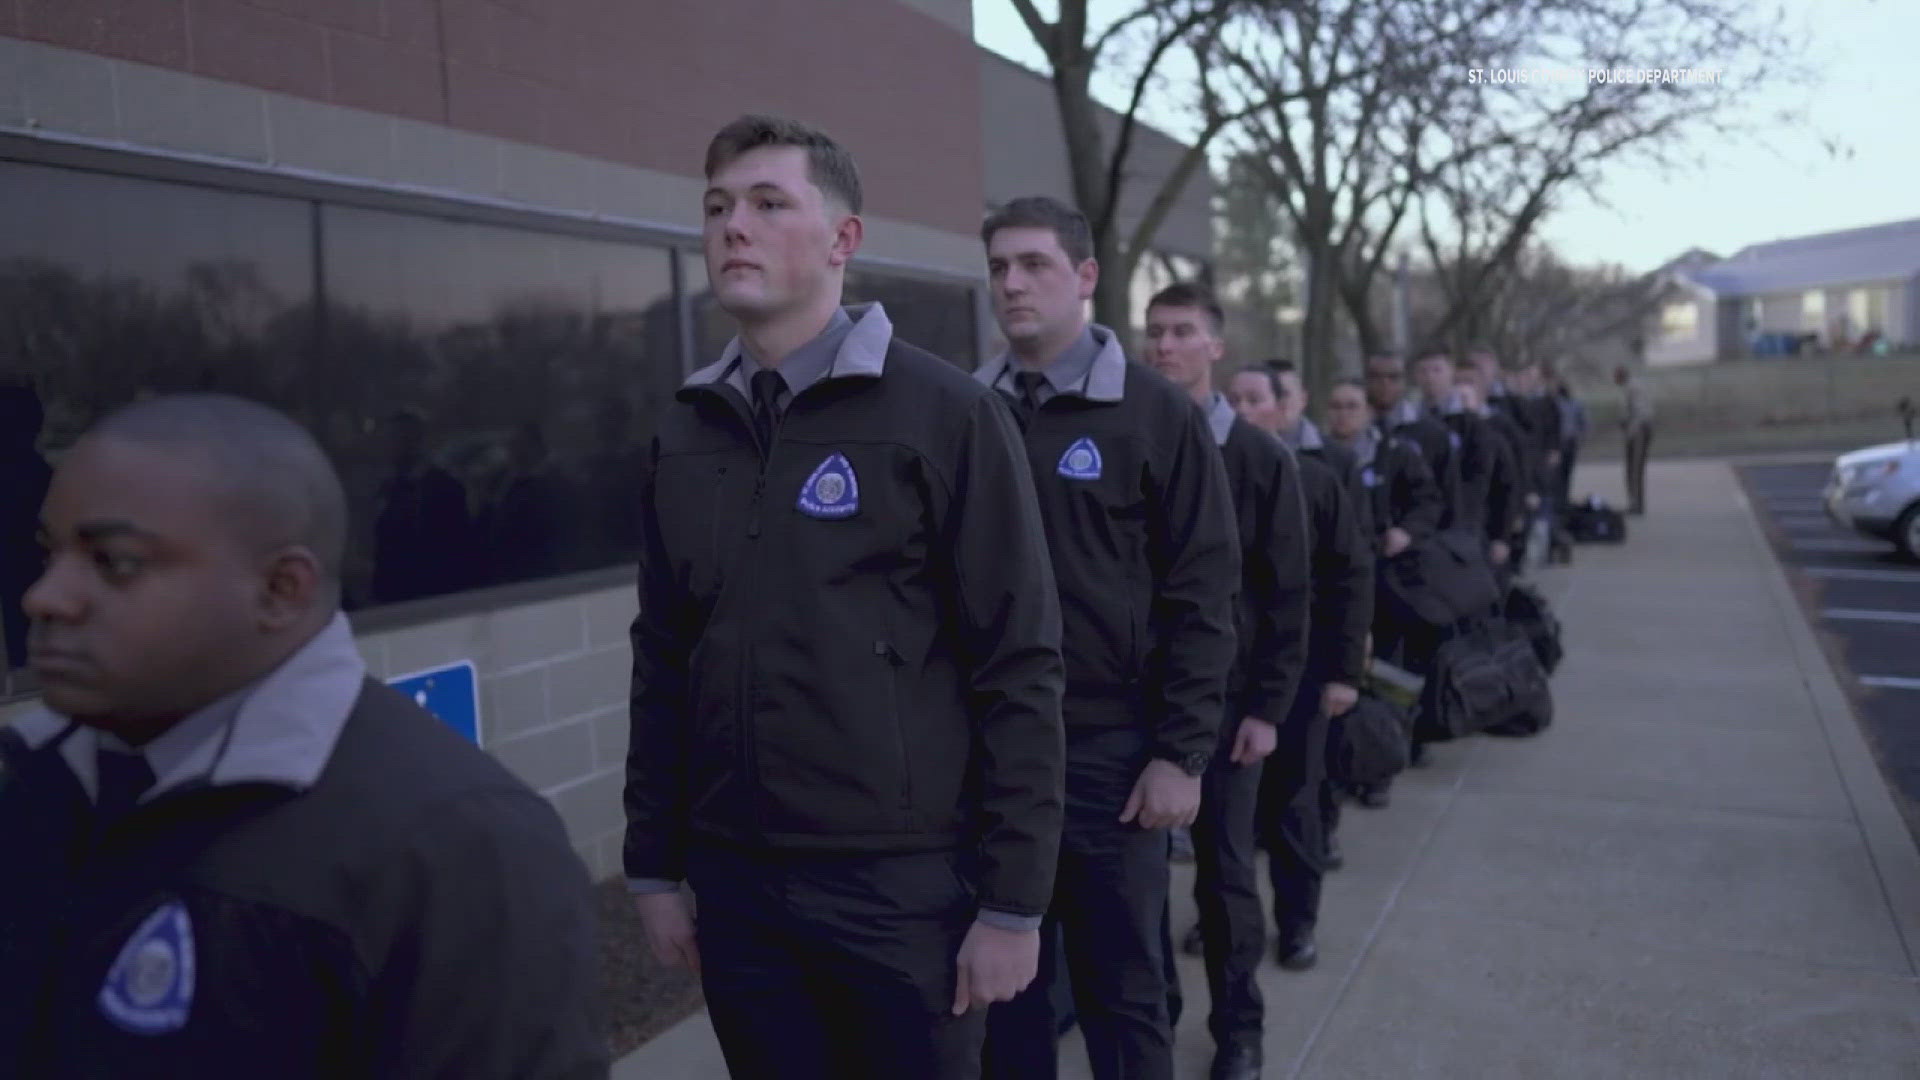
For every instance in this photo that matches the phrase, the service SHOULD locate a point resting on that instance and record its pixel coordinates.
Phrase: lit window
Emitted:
(1680, 320)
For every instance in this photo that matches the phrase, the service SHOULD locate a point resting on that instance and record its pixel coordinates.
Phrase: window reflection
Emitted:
(486, 392)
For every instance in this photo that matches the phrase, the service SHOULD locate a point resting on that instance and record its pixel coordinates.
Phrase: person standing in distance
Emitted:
(226, 847)
(846, 682)
(1637, 421)
(1184, 324)
(1140, 524)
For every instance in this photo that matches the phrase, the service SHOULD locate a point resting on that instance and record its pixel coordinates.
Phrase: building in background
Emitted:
(459, 239)
(1855, 292)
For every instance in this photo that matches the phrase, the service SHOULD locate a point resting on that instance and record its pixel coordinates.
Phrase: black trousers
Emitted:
(1299, 796)
(1639, 443)
(836, 967)
(1104, 929)
(1226, 889)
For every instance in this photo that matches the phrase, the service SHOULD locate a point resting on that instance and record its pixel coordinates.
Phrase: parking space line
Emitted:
(1848, 573)
(1862, 615)
(1890, 682)
(1838, 546)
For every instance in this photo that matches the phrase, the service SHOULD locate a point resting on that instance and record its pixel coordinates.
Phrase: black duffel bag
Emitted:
(1442, 580)
(1485, 678)
(1375, 744)
(1527, 611)
(1594, 522)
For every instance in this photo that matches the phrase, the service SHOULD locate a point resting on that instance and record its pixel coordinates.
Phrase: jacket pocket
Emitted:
(889, 655)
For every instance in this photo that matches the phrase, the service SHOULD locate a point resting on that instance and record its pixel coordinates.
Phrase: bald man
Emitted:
(223, 842)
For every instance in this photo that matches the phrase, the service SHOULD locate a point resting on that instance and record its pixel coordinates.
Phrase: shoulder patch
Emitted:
(1369, 477)
(832, 492)
(149, 988)
(1081, 461)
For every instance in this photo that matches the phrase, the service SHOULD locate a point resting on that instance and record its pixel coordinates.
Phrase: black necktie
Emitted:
(767, 385)
(1028, 383)
(123, 778)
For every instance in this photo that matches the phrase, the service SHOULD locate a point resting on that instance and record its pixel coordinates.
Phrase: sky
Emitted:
(1777, 183)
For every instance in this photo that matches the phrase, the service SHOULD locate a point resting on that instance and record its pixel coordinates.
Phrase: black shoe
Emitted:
(1375, 798)
(1193, 944)
(1237, 1062)
(1333, 859)
(1298, 952)
(1421, 757)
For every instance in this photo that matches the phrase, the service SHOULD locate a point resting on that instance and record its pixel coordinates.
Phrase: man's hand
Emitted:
(1338, 698)
(1254, 741)
(1164, 797)
(1500, 551)
(1533, 500)
(995, 965)
(669, 927)
(1553, 459)
(1397, 540)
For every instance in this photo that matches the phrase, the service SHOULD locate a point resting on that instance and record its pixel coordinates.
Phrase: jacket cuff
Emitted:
(648, 886)
(1011, 921)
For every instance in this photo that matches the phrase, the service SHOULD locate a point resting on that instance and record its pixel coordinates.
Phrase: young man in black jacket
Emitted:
(226, 848)
(846, 685)
(1299, 807)
(1397, 413)
(1140, 524)
(1488, 502)
(1184, 324)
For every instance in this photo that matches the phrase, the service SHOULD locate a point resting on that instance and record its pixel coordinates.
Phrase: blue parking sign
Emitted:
(451, 692)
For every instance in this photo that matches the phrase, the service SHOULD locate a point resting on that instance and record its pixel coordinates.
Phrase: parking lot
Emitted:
(1864, 601)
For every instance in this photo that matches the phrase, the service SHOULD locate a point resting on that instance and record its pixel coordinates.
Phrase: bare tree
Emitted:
(1254, 259)
(1075, 49)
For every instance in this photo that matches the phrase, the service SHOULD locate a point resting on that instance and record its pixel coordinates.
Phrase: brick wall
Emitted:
(553, 700)
(642, 84)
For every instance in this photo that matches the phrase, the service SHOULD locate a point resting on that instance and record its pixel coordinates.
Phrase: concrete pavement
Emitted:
(1697, 872)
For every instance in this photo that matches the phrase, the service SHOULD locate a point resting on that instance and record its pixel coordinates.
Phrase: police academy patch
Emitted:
(1369, 477)
(1081, 461)
(832, 492)
(149, 988)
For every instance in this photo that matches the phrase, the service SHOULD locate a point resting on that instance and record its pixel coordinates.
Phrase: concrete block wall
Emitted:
(553, 700)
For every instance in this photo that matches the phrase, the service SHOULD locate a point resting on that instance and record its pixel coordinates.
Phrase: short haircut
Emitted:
(1443, 357)
(1385, 358)
(1069, 226)
(1351, 384)
(1267, 372)
(1281, 366)
(283, 488)
(1189, 294)
(829, 165)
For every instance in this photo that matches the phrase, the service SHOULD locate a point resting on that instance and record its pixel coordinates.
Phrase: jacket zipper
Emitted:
(886, 651)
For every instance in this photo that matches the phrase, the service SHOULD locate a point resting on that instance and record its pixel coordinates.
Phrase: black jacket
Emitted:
(848, 643)
(1440, 449)
(1145, 548)
(1342, 610)
(1401, 490)
(417, 912)
(1271, 611)
(1490, 487)
(1514, 420)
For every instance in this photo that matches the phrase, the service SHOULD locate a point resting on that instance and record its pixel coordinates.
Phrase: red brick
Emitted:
(471, 35)
(147, 31)
(359, 16)
(498, 103)
(411, 22)
(245, 44)
(369, 73)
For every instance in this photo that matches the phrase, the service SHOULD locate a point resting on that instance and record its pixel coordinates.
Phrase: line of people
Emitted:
(928, 668)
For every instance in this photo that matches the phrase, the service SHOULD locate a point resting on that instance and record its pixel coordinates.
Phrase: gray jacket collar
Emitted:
(1106, 381)
(862, 354)
(280, 730)
(1407, 412)
(1220, 416)
(1305, 437)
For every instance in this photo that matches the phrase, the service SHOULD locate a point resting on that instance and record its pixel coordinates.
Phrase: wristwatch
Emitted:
(1194, 764)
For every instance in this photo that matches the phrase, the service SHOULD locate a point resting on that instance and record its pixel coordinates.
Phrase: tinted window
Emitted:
(503, 383)
(111, 288)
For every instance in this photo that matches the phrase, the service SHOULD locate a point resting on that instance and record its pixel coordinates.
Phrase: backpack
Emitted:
(1487, 677)
(1442, 580)
(1594, 522)
(1375, 745)
(1527, 611)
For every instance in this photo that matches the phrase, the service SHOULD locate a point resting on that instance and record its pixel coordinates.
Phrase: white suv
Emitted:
(1876, 492)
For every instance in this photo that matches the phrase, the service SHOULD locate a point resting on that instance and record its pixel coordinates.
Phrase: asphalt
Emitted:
(1864, 601)
(1697, 872)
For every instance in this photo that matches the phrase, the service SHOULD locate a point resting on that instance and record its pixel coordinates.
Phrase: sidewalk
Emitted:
(1696, 872)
